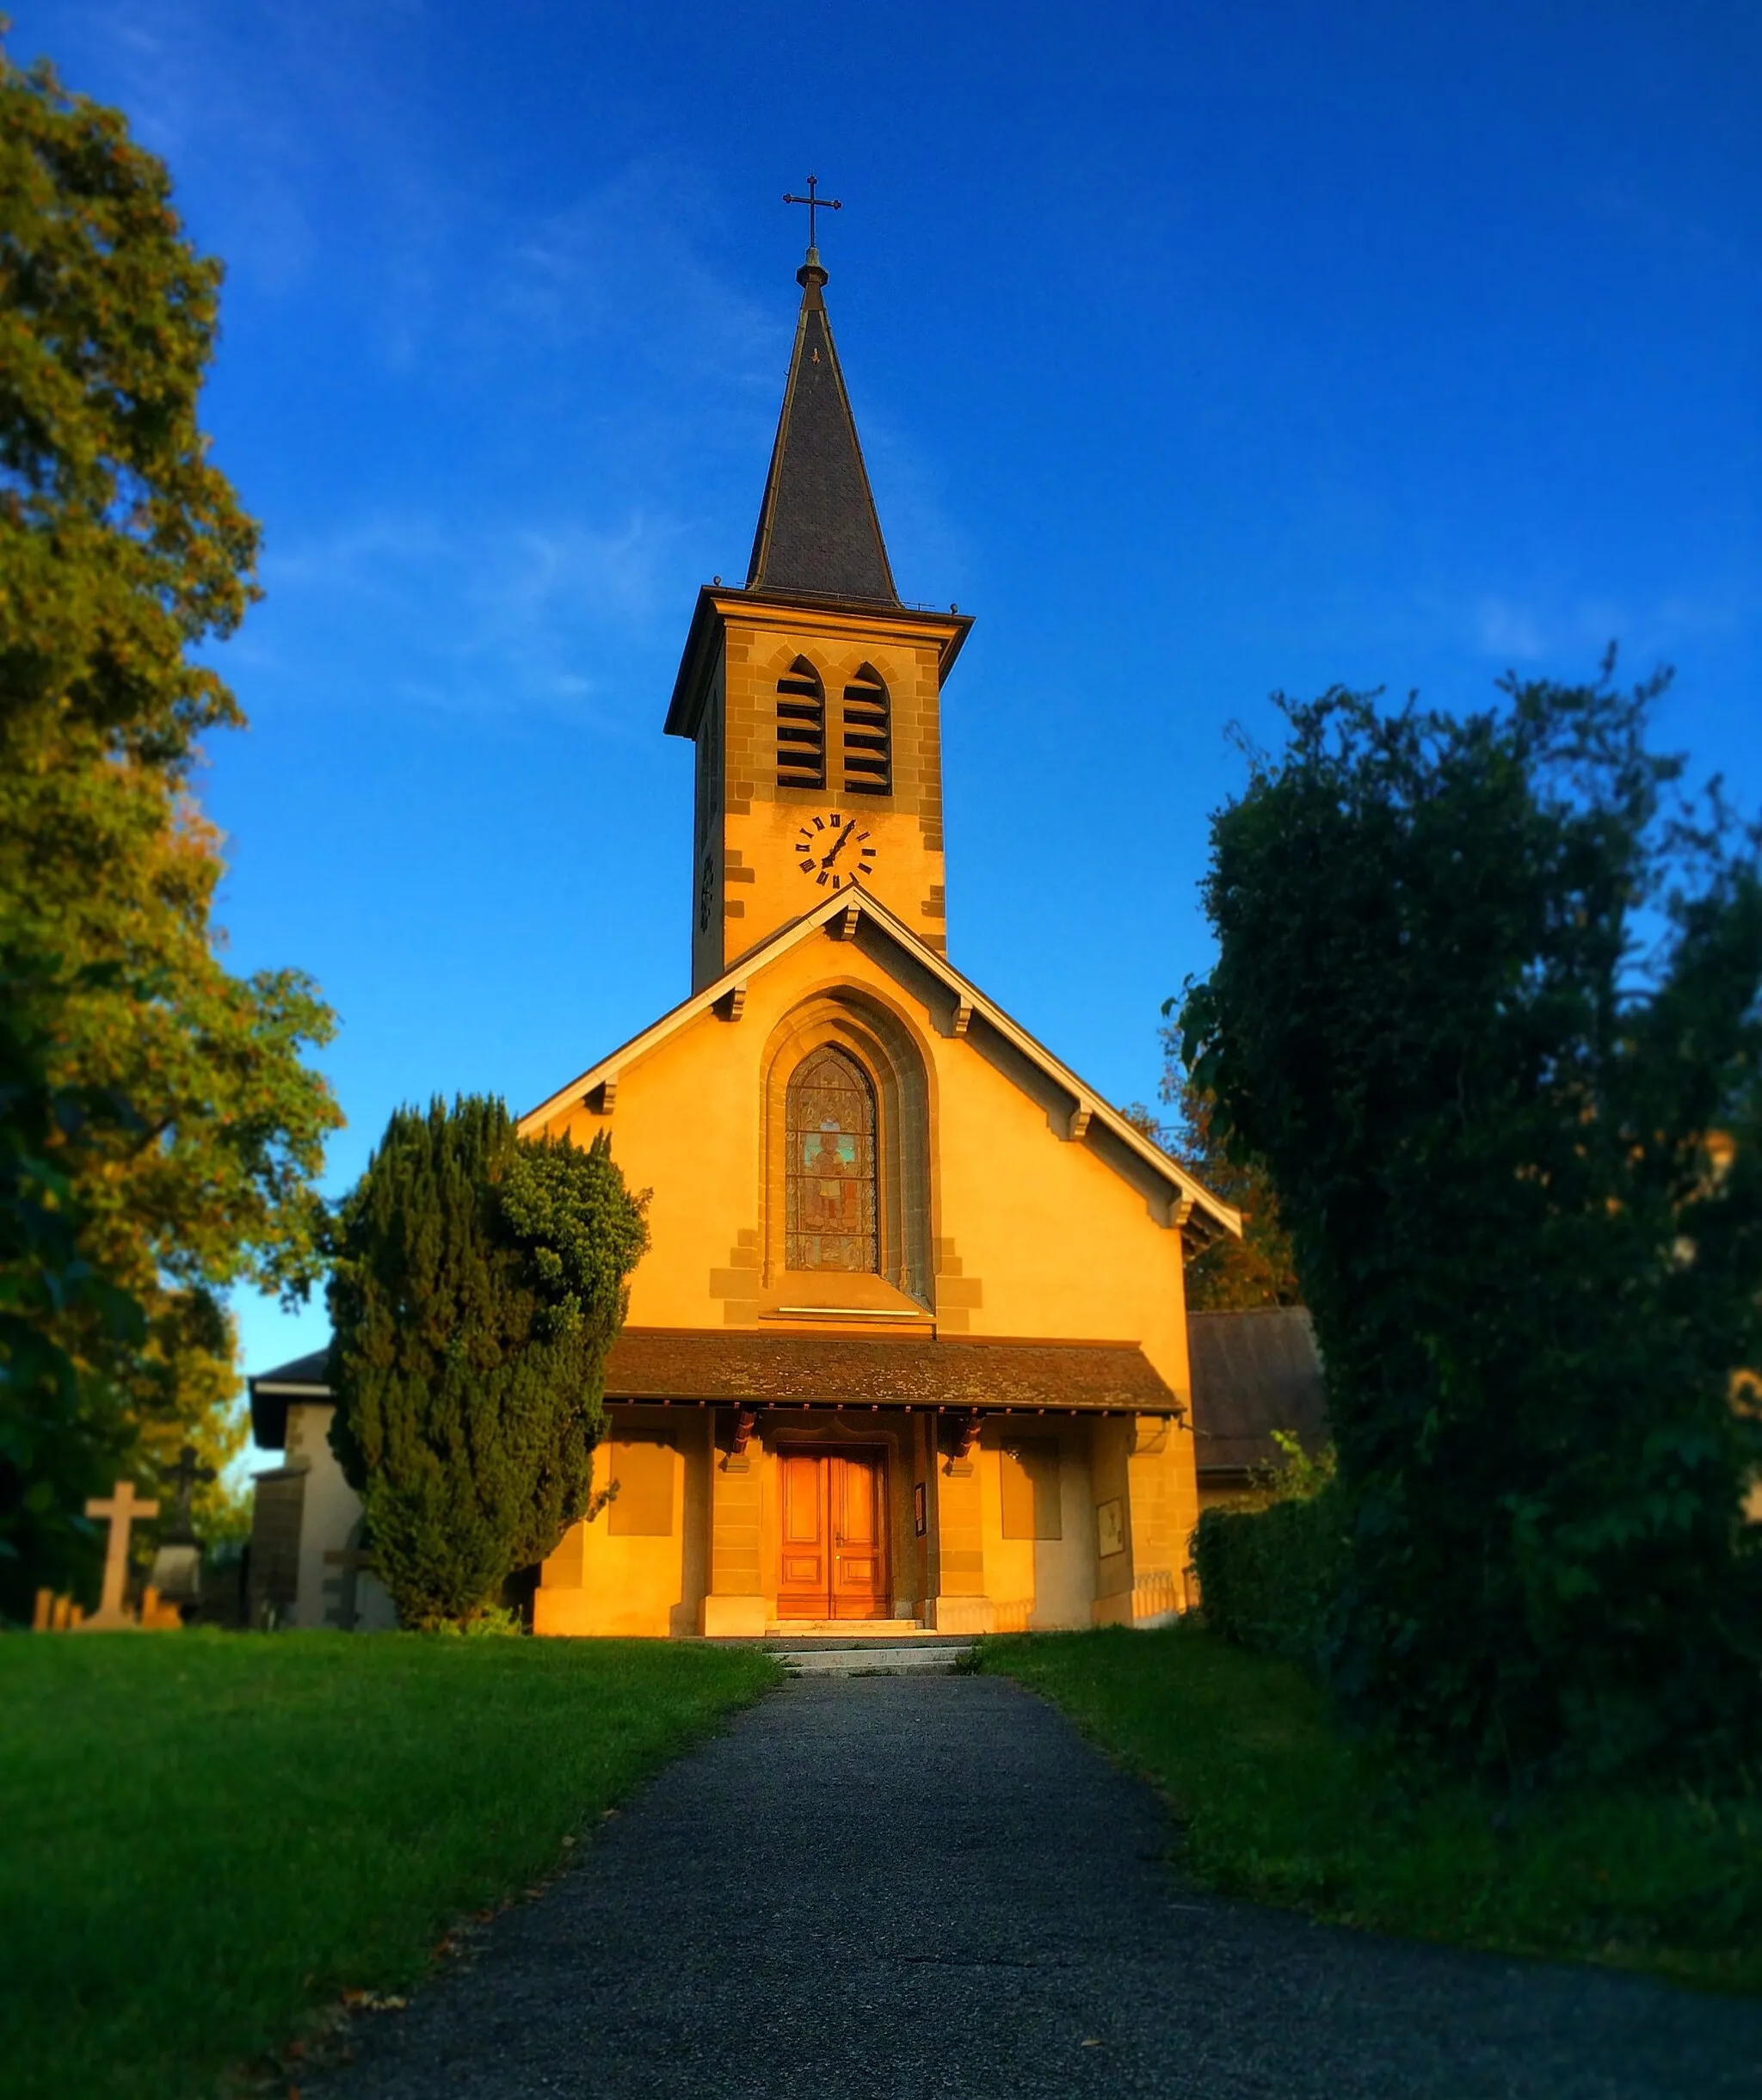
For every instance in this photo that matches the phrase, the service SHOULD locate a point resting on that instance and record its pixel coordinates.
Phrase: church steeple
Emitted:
(813, 695)
(818, 535)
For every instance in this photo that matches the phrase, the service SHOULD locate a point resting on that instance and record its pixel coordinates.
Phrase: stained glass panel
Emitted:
(830, 1171)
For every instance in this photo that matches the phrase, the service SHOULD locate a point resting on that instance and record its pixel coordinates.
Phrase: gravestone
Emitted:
(342, 1590)
(177, 1565)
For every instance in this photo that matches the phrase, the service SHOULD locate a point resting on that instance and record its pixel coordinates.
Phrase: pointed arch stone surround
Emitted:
(884, 1046)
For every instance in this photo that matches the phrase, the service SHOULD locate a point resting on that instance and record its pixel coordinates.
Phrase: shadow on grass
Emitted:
(1277, 1806)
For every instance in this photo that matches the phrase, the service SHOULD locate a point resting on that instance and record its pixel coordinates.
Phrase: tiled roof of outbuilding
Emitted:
(307, 1377)
(1255, 1372)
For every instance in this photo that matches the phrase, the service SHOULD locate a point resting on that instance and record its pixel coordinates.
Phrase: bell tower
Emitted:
(813, 694)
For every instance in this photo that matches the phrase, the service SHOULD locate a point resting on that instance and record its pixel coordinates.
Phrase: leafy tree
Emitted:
(1224, 1274)
(479, 1283)
(122, 550)
(1487, 1005)
(120, 547)
(59, 1421)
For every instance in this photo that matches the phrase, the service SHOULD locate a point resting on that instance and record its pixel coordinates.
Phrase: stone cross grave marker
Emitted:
(123, 1509)
(183, 1479)
(177, 1566)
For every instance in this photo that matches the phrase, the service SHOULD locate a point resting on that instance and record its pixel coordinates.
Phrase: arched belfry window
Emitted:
(868, 734)
(801, 727)
(829, 1171)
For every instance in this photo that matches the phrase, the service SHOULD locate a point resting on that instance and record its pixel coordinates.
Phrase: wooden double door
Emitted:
(833, 1527)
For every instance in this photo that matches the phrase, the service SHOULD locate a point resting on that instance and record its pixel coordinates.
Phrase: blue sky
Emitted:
(1199, 351)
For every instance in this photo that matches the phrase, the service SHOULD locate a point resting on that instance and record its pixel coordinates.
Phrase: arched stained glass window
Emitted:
(830, 1174)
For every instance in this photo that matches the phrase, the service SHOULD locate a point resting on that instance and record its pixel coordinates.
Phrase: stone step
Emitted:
(875, 1659)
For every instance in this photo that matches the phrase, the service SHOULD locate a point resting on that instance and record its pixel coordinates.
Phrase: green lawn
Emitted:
(204, 1836)
(1277, 1807)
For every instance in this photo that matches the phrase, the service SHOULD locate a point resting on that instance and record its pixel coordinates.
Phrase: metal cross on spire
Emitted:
(814, 204)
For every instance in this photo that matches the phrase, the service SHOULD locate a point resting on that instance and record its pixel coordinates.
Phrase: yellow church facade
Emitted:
(909, 1346)
(910, 1342)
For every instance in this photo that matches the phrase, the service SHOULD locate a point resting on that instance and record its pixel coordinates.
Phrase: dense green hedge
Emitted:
(1488, 1010)
(1268, 1577)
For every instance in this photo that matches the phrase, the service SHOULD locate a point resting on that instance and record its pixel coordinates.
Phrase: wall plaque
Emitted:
(1110, 1527)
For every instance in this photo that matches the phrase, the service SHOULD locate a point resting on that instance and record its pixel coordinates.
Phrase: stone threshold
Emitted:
(842, 1629)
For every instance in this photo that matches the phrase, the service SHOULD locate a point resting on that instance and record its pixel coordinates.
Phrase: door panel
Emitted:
(833, 1525)
(859, 1535)
(805, 1574)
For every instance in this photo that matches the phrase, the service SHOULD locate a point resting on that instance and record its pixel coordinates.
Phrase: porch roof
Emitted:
(833, 1371)
(697, 1367)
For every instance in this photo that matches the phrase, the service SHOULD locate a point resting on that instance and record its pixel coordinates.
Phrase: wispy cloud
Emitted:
(294, 129)
(191, 75)
(614, 263)
(1543, 626)
(1513, 633)
(514, 619)
(315, 165)
(591, 357)
(1666, 227)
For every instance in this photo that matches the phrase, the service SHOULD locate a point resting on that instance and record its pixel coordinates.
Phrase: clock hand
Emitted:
(843, 840)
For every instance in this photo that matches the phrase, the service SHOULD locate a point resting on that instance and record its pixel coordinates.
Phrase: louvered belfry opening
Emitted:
(868, 735)
(801, 727)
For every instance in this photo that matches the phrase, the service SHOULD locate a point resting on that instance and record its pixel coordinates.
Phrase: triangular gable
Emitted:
(1194, 1203)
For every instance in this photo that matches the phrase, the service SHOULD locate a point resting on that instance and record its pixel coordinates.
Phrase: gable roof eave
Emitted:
(1193, 1202)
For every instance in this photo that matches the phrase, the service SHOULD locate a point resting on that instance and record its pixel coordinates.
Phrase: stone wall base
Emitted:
(959, 1615)
(1155, 1599)
(735, 1618)
(578, 1614)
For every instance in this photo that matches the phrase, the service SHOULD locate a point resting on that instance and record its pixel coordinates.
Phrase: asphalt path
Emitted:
(872, 1888)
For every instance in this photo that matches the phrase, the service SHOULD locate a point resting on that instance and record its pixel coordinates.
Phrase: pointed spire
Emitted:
(818, 535)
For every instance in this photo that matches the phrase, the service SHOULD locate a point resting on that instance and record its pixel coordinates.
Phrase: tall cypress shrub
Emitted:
(479, 1282)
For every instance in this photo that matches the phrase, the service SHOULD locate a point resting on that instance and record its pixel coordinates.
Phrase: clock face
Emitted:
(835, 850)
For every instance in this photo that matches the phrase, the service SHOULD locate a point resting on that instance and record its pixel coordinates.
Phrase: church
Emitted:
(909, 1348)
